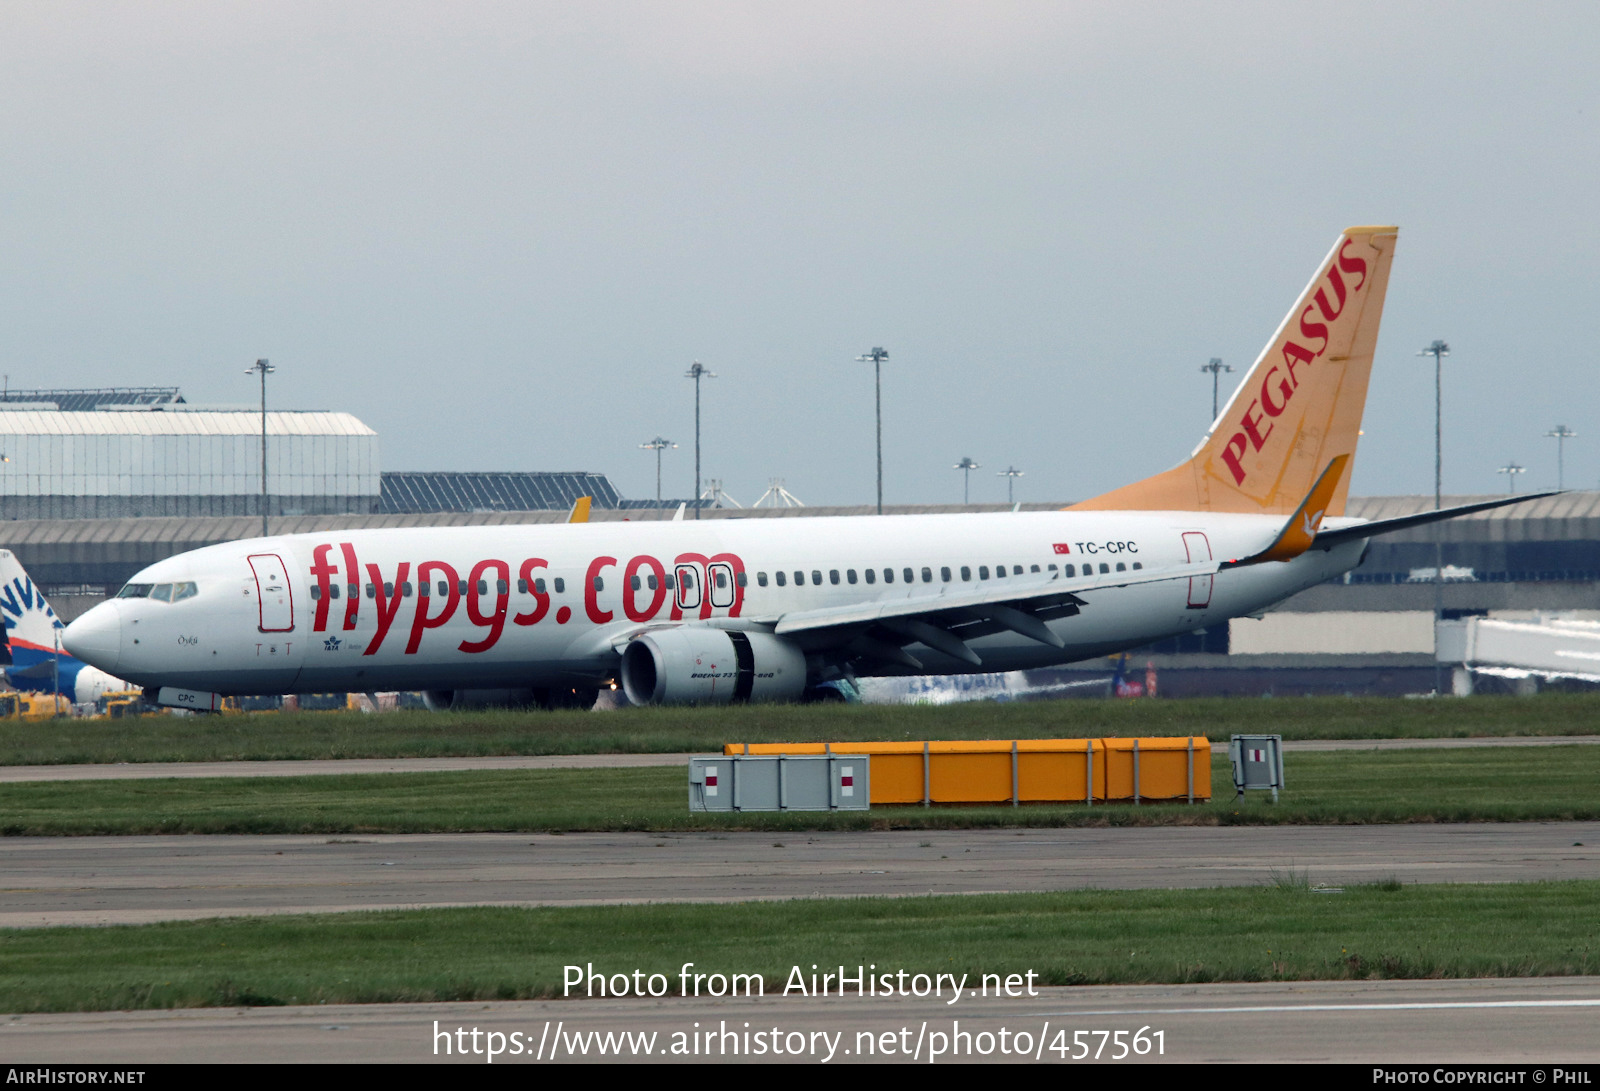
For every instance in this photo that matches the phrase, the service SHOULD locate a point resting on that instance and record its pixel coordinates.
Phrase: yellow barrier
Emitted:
(1024, 770)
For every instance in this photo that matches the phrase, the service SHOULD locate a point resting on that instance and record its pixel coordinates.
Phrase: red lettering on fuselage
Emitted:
(591, 593)
(541, 601)
(658, 593)
(698, 563)
(449, 591)
(495, 622)
(321, 569)
(352, 575)
(439, 580)
(388, 601)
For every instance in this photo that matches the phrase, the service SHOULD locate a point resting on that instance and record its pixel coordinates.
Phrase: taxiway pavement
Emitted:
(112, 880)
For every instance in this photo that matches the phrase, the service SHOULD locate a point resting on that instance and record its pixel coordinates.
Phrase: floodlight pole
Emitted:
(1561, 433)
(697, 372)
(264, 369)
(966, 466)
(658, 445)
(1010, 473)
(1215, 367)
(1438, 350)
(1511, 470)
(878, 355)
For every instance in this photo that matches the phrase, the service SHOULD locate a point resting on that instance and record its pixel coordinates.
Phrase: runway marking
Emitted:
(1413, 1006)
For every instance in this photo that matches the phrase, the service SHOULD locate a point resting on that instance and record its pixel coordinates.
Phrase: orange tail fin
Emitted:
(1298, 408)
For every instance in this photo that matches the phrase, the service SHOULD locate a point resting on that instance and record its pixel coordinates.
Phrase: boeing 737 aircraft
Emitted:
(28, 647)
(736, 610)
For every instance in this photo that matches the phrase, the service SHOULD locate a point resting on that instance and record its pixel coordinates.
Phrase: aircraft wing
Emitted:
(946, 619)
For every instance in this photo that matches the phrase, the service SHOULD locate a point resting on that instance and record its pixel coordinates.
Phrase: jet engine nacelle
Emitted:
(695, 664)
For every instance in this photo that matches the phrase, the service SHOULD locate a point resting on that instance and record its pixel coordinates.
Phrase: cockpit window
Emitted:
(181, 591)
(161, 592)
(135, 591)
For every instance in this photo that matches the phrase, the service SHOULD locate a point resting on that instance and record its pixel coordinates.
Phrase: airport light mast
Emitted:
(1438, 350)
(1215, 367)
(697, 372)
(264, 369)
(1561, 433)
(658, 445)
(1010, 473)
(1511, 470)
(966, 466)
(878, 355)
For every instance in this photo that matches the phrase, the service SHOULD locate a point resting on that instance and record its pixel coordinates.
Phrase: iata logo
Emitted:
(1279, 384)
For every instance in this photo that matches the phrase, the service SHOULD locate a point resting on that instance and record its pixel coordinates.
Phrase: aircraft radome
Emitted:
(720, 610)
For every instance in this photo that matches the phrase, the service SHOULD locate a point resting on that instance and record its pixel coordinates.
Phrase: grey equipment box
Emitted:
(1257, 762)
(777, 782)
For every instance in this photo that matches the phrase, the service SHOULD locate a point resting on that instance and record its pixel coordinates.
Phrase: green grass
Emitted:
(1456, 785)
(1282, 932)
(670, 730)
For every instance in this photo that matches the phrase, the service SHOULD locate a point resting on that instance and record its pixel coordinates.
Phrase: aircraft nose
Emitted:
(96, 637)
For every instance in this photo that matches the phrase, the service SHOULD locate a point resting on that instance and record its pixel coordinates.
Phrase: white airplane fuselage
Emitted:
(552, 604)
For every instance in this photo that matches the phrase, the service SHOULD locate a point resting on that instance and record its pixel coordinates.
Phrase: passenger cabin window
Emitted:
(910, 576)
(799, 578)
(781, 578)
(538, 585)
(650, 581)
(671, 582)
(888, 575)
(871, 575)
(483, 587)
(372, 591)
(599, 583)
(761, 579)
(405, 589)
(560, 585)
(635, 582)
(833, 576)
(1016, 570)
(316, 592)
(522, 587)
(944, 573)
(719, 573)
(1068, 570)
(999, 571)
(927, 575)
(1137, 566)
(816, 577)
(354, 590)
(983, 571)
(1033, 568)
(444, 587)
(501, 587)
(850, 575)
(966, 573)
(741, 579)
(1104, 568)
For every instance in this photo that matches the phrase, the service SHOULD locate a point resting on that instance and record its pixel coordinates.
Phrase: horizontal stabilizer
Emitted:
(1405, 522)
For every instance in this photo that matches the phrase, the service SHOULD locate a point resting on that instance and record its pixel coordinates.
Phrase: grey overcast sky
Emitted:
(499, 233)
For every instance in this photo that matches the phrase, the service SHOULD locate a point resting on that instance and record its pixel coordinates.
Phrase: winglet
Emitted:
(1301, 529)
(580, 510)
(677, 516)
